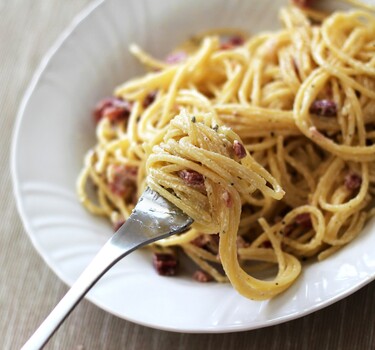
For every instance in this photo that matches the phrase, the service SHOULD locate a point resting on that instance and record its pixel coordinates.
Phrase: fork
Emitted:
(152, 219)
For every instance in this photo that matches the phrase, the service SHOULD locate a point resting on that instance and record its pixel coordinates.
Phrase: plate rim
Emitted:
(36, 77)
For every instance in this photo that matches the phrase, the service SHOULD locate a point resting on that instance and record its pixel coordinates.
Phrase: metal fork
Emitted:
(152, 219)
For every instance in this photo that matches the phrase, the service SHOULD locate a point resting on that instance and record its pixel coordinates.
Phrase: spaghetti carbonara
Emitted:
(267, 142)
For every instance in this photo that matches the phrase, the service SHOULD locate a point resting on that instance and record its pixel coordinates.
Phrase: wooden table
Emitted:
(29, 290)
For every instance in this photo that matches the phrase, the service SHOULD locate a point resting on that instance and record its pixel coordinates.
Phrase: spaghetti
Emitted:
(226, 122)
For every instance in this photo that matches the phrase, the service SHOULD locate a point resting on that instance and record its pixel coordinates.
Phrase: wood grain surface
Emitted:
(29, 290)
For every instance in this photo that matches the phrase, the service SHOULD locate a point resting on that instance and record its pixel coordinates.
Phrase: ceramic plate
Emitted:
(54, 129)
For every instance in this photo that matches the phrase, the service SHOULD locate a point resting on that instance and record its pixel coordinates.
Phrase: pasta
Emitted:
(267, 142)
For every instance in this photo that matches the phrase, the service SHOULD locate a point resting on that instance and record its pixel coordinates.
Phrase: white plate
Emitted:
(54, 129)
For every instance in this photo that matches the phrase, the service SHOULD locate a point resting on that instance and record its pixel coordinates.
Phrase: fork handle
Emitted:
(152, 219)
(109, 255)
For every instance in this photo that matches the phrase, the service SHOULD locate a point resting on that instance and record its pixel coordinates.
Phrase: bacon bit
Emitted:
(122, 180)
(202, 276)
(324, 108)
(232, 42)
(116, 225)
(288, 229)
(191, 177)
(239, 149)
(227, 199)
(149, 99)
(201, 241)
(165, 264)
(303, 3)
(209, 242)
(100, 106)
(115, 109)
(353, 181)
(237, 40)
(176, 57)
(266, 244)
(304, 220)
